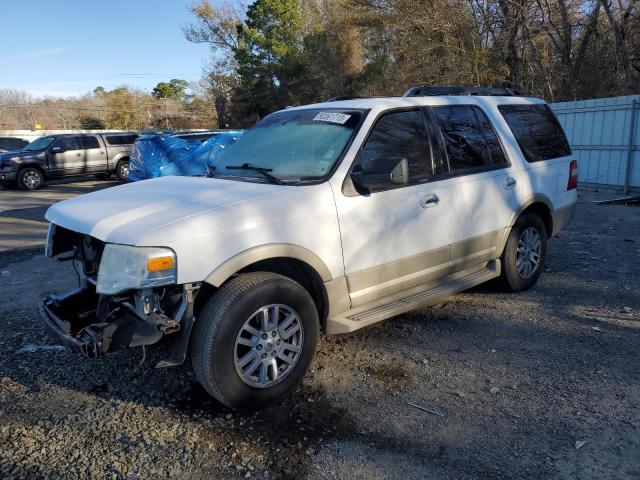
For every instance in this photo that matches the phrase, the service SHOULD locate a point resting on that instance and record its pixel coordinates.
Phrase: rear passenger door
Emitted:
(95, 154)
(484, 188)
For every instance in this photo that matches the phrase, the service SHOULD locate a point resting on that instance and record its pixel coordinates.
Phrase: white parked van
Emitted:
(331, 217)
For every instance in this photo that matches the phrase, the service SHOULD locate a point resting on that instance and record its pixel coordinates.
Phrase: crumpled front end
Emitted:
(96, 324)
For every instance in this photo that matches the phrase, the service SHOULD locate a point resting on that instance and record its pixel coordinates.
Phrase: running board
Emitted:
(417, 297)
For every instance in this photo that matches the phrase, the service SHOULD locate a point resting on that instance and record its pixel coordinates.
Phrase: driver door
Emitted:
(395, 237)
(66, 156)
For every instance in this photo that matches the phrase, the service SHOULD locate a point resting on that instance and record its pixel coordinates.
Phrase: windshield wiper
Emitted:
(263, 171)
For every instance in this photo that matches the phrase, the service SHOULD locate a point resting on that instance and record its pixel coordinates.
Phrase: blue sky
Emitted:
(68, 47)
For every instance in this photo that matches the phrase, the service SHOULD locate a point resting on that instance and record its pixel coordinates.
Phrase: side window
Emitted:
(67, 143)
(89, 142)
(121, 139)
(469, 139)
(395, 136)
(498, 158)
(537, 131)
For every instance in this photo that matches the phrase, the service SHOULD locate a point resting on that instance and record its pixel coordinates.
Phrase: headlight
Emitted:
(123, 268)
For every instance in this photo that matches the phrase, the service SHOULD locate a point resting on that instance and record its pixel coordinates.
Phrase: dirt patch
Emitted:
(392, 377)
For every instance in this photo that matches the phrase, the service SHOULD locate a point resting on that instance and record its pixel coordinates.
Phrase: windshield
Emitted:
(40, 143)
(291, 145)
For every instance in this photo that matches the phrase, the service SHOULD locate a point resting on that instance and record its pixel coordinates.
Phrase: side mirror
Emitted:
(57, 149)
(399, 175)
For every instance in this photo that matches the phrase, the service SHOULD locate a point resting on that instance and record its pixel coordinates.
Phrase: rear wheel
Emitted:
(525, 253)
(30, 178)
(254, 339)
(122, 170)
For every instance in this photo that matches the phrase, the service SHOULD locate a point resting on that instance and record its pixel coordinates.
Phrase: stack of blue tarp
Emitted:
(165, 155)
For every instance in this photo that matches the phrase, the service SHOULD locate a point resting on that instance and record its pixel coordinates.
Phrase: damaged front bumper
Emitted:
(94, 325)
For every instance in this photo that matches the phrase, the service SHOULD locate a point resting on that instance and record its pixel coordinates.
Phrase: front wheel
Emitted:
(122, 170)
(525, 253)
(30, 178)
(254, 339)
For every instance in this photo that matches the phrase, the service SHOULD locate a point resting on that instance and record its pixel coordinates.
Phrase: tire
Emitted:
(519, 270)
(30, 178)
(216, 355)
(122, 170)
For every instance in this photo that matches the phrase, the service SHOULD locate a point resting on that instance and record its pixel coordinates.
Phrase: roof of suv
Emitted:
(399, 102)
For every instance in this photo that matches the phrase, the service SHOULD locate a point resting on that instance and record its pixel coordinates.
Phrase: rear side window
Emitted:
(471, 143)
(121, 139)
(395, 136)
(537, 131)
(89, 142)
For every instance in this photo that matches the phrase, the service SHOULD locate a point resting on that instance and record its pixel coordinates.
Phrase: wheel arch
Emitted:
(37, 166)
(540, 205)
(122, 158)
(293, 261)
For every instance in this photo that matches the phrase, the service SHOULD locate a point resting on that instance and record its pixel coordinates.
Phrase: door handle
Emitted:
(430, 201)
(509, 183)
(78, 154)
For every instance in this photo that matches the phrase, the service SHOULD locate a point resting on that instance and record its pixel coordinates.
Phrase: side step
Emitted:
(421, 296)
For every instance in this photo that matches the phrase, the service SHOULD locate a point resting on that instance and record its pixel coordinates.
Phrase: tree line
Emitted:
(168, 106)
(276, 53)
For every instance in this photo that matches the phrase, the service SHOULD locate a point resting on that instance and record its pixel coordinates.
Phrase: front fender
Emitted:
(264, 252)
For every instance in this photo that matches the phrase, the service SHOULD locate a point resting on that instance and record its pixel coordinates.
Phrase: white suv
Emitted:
(330, 217)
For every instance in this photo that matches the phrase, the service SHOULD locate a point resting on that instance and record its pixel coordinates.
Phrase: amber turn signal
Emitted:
(159, 263)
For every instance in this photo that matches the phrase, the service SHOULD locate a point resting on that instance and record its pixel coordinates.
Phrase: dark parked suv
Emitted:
(67, 154)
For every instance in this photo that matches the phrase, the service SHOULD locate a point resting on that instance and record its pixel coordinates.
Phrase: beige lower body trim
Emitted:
(562, 217)
(338, 296)
(377, 282)
(419, 296)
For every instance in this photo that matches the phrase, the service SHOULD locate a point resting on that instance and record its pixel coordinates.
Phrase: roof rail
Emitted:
(349, 97)
(480, 91)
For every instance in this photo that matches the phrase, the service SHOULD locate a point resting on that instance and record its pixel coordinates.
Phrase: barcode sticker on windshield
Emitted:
(332, 117)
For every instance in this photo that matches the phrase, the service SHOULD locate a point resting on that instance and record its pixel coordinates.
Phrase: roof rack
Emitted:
(479, 91)
(349, 97)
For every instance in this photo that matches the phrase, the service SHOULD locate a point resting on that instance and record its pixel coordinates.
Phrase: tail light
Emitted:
(573, 175)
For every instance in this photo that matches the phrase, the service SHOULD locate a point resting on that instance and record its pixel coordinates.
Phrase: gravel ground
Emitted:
(538, 385)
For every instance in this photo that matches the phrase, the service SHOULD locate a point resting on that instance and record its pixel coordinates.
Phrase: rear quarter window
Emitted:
(537, 131)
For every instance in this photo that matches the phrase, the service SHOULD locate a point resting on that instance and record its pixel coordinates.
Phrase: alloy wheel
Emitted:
(528, 253)
(268, 346)
(31, 179)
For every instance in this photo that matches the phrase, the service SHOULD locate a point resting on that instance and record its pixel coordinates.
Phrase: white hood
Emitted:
(208, 221)
(126, 213)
